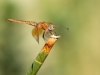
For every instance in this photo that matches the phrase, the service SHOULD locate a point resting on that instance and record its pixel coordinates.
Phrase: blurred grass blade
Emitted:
(42, 55)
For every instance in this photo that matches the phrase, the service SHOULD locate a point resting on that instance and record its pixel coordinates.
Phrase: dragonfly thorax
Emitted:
(51, 27)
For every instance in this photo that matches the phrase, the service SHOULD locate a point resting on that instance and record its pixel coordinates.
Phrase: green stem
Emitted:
(42, 55)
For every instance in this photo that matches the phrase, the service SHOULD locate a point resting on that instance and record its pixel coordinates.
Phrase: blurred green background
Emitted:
(77, 52)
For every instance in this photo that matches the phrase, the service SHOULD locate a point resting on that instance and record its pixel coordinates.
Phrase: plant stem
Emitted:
(42, 55)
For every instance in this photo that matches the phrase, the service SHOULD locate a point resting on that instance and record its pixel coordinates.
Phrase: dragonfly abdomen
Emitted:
(23, 22)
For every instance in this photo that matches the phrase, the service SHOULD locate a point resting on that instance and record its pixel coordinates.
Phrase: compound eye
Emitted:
(51, 27)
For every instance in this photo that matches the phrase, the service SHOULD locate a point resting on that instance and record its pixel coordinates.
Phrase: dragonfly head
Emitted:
(51, 27)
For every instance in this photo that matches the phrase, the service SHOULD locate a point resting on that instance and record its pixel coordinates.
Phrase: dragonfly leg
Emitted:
(44, 36)
(53, 33)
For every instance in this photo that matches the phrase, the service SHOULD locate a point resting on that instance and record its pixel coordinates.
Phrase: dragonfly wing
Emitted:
(36, 32)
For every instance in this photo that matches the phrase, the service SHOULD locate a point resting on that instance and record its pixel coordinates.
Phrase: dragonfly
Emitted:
(41, 27)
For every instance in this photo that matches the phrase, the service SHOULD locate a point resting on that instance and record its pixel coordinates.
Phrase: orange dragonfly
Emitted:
(38, 28)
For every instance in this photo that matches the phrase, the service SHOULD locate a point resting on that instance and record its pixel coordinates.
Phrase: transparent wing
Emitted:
(60, 30)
